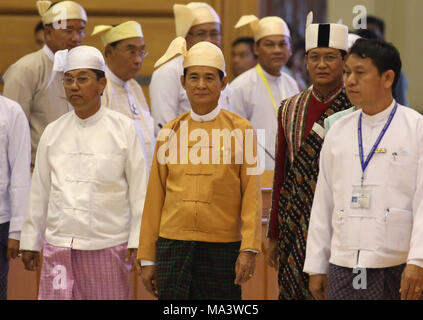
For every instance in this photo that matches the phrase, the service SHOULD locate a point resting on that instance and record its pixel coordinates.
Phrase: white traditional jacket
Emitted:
(390, 231)
(251, 100)
(88, 186)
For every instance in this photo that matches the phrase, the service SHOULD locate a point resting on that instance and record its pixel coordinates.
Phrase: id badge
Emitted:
(361, 197)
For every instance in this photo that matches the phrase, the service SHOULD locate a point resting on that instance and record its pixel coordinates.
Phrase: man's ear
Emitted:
(255, 48)
(107, 50)
(388, 78)
(306, 61)
(183, 81)
(47, 32)
(224, 83)
(102, 85)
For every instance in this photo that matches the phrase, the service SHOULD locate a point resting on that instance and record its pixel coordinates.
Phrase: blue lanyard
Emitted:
(364, 164)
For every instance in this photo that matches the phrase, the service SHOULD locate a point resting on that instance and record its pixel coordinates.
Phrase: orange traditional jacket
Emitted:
(202, 202)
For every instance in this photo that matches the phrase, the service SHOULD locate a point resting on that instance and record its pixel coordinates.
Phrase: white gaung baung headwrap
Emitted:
(325, 35)
(192, 14)
(81, 57)
(203, 53)
(64, 10)
(267, 26)
(352, 38)
(125, 30)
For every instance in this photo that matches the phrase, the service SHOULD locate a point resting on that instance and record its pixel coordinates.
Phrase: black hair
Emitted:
(377, 21)
(247, 40)
(38, 27)
(99, 73)
(367, 34)
(221, 74)
(383, 55)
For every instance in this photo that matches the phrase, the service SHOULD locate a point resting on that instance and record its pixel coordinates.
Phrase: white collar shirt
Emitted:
(15, 160)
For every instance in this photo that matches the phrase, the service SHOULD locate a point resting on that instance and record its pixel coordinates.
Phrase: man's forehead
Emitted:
(202, 70)
(133, 42)
(78, 72)
(242, 46)
(355, 61)
(206, 27)
(323, 51)
(275, 38)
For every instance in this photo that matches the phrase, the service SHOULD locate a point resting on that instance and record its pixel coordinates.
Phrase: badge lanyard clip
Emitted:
(364, 164)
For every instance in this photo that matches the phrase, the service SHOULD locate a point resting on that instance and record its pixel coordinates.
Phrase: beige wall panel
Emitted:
(403, 29)
(17, 37)
(231, 11)
(135, 7)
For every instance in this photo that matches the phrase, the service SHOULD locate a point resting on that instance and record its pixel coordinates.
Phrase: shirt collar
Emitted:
(114, 78)
(90, 120)
(206, 117)
(320, 97)
(381, 116)
(48, 52)
(270, 76)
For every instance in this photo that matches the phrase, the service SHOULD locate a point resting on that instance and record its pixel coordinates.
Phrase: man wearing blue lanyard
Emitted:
(258, 92)
(365, 233)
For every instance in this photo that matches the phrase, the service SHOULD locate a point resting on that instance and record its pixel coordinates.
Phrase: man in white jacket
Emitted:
(87, 192)
(15, 160)
(365, 234)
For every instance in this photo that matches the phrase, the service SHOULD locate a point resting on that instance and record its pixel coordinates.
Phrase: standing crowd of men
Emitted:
(176, 192)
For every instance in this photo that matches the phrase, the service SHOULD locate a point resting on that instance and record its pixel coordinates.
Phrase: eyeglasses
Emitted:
(68, 81)
(134, 52)
(330, 58)
(68, 32)
(202, 34)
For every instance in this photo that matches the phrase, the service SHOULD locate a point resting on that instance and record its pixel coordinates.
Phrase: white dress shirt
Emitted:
(168, 97)
(128, 98)
(15, 161)
(251, 100)
(88, 186)
(390, 231)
